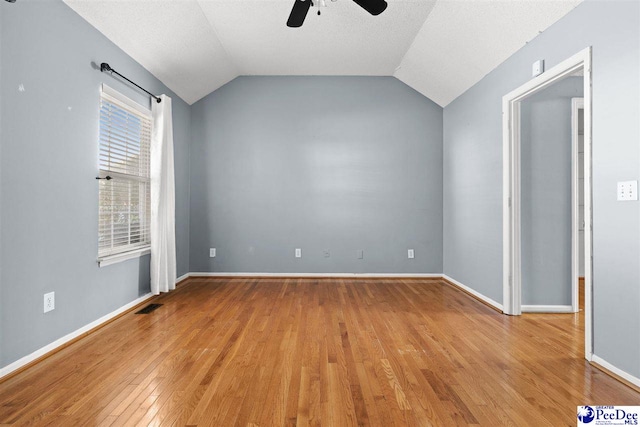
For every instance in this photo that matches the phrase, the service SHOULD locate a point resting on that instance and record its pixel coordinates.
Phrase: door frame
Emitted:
(512, 267)
(577, 104)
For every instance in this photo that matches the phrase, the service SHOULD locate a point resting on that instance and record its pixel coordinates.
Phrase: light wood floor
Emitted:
(331, 352)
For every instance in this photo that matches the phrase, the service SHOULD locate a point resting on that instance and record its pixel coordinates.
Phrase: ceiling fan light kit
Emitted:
(301, 8)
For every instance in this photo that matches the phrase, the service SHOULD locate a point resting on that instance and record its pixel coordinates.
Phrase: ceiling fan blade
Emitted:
(374, 7)
(298, 13)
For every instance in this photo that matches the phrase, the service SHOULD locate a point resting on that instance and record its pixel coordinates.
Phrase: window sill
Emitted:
(114, 259)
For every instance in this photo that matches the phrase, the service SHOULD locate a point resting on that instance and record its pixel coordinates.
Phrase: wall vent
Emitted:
(148, 309)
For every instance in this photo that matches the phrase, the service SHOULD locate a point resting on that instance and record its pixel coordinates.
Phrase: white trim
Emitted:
(372, 275)
(511, 185)
(61, 341)
(507, 295)
(473, 292)
(114, 259)
(588, 210)
(576, 105)
(547, 309)
(65, 339)
(512, 287)
(183, 277)
(109, 92)
(619, 372)
(546, 79)
(356, 275)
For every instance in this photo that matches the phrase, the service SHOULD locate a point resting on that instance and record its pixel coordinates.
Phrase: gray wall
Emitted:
(278, 163)
(546, 193)
(1, 110)
(473, 169)
(48, 194)
(318, 163)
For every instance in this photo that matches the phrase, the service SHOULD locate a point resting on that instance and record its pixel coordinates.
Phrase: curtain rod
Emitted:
(105, 67)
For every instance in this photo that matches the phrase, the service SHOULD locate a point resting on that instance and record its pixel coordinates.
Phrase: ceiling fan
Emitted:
(301, 7)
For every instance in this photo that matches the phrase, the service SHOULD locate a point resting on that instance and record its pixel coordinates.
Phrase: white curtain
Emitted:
(163, 201)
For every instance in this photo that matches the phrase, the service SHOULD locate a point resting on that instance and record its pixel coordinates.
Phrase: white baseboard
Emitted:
(619, 372)
(356, 275)
(65, 339)
(474, 292)
(346, 275)
(547, 309)
(61, 341)
(183, 277)
(6, 370)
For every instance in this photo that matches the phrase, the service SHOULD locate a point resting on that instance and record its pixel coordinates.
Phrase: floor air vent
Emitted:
(148, 309)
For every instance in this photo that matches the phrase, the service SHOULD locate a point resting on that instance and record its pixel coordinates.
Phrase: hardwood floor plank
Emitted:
(316, 352)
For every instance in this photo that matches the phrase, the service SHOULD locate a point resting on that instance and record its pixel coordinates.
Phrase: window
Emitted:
(124, 200)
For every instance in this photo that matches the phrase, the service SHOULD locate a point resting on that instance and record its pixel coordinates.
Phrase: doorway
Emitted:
(512, 189)
(549, 170)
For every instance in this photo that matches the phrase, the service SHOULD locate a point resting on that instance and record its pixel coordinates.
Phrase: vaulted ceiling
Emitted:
(438, 47)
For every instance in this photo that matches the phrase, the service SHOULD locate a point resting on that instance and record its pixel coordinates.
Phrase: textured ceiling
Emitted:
(438, 47)
(462, 41)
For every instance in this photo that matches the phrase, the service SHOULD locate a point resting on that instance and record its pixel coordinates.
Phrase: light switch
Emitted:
(298, 253)
(627, 191)
(410, 254)
(212, 252)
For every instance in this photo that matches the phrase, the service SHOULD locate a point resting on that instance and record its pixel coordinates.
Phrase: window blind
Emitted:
(124, 200)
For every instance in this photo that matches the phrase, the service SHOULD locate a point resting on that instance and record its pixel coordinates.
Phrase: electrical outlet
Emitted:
(410, 254)
(298, 253)
(360, 254)
(212, 252)
(49, 301)
(326, 253)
